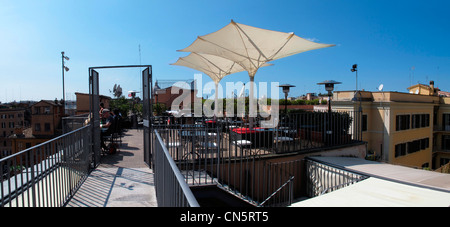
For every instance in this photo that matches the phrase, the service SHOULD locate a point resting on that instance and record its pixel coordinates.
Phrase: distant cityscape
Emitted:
(410, 129)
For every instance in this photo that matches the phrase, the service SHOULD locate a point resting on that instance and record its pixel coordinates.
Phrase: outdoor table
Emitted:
(191, 126)
(259, 137)
(210, 123)
(192, 133)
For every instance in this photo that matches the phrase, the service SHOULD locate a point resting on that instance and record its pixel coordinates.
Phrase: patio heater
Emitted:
(286, 88)
(329, 86)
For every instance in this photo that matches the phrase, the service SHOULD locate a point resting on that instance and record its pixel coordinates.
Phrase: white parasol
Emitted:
(251, 48)
(214, 66)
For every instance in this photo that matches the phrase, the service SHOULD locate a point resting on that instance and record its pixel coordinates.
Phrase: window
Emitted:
(47, 127)
(411, 147)
(402, 122)
(420, 120)
(364, 122)
(446, 122)
(37, 127)
(445, 142)
(37, 110)
(424, 143)
(400, 149)
(46, 109)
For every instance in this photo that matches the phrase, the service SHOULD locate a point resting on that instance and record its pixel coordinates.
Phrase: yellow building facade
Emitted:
(409, 129)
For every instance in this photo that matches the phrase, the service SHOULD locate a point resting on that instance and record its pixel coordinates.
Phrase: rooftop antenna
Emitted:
(380, 88)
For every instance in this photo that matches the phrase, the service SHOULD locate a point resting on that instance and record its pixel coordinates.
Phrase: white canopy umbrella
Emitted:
(214, 66)
(251, 47)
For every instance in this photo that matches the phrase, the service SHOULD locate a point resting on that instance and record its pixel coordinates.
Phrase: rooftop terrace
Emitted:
(269, 174)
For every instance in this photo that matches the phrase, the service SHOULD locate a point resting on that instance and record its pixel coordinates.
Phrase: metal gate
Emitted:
(147, 110)
(94, 106)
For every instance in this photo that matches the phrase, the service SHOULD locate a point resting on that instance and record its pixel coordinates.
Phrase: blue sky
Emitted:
(387, 39)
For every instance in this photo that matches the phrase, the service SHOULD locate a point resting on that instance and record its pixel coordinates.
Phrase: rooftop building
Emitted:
(410, 129)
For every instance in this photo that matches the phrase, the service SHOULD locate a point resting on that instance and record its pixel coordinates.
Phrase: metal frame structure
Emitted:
(94, 107)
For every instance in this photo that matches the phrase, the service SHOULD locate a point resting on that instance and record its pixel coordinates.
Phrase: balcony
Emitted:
(441, 128)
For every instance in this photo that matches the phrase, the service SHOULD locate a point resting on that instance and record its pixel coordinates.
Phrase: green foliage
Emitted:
(283, 102)
(125, 106)
(122, 104)
(159, 108)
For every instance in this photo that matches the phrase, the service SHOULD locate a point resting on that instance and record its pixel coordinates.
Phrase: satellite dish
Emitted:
(380, 88)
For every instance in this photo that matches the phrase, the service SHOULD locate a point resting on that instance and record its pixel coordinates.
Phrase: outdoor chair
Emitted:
(111, 146)
(174, 149)
(282, 143)
(243, 144)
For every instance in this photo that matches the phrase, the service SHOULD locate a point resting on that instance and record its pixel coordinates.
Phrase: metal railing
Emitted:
(74, 122)
(323, 178)
(228, 153)
(171, 187)
(293, 133)
(46, 175)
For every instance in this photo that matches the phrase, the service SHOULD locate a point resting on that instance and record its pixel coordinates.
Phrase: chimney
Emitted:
(432, 91)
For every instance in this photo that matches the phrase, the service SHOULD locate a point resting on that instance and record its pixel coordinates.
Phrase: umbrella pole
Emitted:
(252, 111)
(216, 101)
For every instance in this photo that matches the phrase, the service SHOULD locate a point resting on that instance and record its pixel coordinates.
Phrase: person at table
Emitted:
(102, 107)
(107, 127)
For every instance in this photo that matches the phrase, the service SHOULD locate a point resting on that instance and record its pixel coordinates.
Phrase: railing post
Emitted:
(33, 177)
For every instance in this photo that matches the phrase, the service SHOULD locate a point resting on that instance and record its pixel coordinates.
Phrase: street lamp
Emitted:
(64, 68)
(355, 69)
(286, 88)
(329, 86)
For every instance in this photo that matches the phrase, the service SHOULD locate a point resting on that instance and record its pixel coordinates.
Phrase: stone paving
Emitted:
(121, 180)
